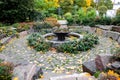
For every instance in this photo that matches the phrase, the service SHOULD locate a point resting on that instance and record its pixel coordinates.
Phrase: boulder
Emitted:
(104, 33)
(99, 31)
(27, 72)
(116, 28)
(81, 76)
(116, 65)
(89, 67)
(118, 40)
(24, 33)
(105, 27)
(113, 35)
(87, 29)
(102, 60)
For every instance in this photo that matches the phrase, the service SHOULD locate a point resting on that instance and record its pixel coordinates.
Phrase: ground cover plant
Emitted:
(6, 70)
(85, 44)
(36, 41)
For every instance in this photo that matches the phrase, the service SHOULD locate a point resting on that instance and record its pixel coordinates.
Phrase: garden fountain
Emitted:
(62, 35)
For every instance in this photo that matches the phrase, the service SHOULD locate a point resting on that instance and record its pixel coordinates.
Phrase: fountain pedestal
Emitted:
(61, 35)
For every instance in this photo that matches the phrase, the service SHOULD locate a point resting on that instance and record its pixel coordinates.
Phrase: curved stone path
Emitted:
(18, 52)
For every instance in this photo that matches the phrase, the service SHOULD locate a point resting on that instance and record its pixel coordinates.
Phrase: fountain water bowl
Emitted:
(62, 37)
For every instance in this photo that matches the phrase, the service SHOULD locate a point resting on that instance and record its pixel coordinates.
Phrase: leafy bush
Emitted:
(118, 12)
(7, 31)
(38, 43)
(102, 10)
(21, 27)
(83, 45)
(6, 71)
(68, 16)
(81, 16)
(103, 20)
(90, 18)
(36, 16)
(38, 27)
(90, 8)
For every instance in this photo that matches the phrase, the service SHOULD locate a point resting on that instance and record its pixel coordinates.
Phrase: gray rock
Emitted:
(118, 40)
(26, 72)
(116, 65)
(86, 78)
(87, 29)
(104, 33)
(89, 67)
(24, 33)
(66, 77)
(105, 27)
(7, 39)
(113, 35)
(102, 60)
(116, 28)
(2, 36)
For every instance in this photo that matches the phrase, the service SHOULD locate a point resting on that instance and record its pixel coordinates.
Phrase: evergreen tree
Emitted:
(15, 10)
(109, 4)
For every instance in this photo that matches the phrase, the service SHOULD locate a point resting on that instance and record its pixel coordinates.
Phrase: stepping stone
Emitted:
(116, 65)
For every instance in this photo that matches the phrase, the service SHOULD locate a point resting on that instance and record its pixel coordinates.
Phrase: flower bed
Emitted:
(38, 43)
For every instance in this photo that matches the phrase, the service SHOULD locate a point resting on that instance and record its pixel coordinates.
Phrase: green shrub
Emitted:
(85, 44)
(81, 15)
(102, 10)
(68, 16)
(6, 71)
(39, 26)
(90, 8)
(7, 31)
(116, 20)
(116, 54)
(38, 43)
(118, 12)
(103, 20)
(90, 18)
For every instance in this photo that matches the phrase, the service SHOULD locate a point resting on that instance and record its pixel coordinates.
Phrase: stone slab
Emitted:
(105, 27)
(116, 65)
(113, 35)
(102, 60)
(99, 31)
(89, 66)
(24, 33)
(25, 72)
(118, 40)
(116, 28)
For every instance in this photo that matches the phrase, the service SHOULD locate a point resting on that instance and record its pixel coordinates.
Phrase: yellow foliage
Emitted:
(15, 78)
(2, 47)
(88, 3)
(112, 73)
(41, 76)
(118, 79)
(88, 74)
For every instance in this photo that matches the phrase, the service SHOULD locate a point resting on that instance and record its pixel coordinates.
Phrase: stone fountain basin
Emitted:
(55, 41)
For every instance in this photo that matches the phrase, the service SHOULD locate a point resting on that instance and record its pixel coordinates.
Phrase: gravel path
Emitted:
(51, 61)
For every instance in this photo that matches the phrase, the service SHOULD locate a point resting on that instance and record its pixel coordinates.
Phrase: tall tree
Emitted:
(107, 3)
(15, 10)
